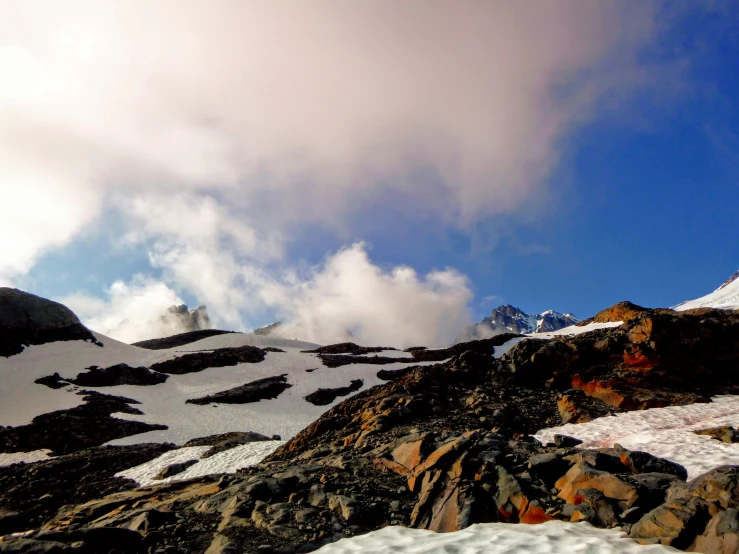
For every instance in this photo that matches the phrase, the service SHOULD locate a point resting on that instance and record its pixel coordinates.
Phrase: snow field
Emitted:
(497, 538)
(228, 461)
(664, 432)
(7, 459)
(725, 297)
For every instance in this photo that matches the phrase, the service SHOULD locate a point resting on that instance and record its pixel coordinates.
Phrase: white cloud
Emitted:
(219, 129)
(392, 307)
(131, 312)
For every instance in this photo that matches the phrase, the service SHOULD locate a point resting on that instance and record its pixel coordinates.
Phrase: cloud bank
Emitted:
(220, 129)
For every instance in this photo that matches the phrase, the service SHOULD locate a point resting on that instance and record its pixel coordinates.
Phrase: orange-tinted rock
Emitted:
(582, 476)
(602, 390)
(449, 450)
(410, 454)
(622, 311)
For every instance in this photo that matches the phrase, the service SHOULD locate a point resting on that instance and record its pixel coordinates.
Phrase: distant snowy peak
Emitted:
(510, 319)
(725, 297)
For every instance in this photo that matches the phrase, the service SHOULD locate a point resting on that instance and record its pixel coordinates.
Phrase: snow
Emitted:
(497, 538)
(724, 297)
(576, 330)
(228, 461)
(664, 432)
(506, 346)
(21, 399)
(25, 457)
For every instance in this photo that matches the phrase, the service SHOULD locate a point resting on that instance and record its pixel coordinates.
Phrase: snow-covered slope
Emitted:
(725, 297)
(21, 399)
(497, 538)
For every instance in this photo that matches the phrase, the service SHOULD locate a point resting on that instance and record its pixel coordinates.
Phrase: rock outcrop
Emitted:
(27, 319)
(180, 339)
(261, 389)
(66, 431)
(198, 361)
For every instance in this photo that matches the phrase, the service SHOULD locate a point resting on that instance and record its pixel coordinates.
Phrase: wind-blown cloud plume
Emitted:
(257, 118)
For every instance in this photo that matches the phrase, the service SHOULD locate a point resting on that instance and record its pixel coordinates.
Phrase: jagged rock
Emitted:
(582, 476)
(322, 397)
(27, 319)
(261, 389)
(198, 361)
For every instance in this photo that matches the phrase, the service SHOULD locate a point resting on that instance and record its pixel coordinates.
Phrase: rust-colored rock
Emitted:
(582, 476)
(622, 311)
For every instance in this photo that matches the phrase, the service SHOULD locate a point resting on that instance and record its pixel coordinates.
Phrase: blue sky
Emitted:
(614, 178)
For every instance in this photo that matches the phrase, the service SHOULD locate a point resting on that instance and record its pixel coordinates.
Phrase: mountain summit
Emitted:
(510, 319)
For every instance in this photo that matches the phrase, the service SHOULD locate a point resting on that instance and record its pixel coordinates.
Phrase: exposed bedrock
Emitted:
(84, 426)
(27, 319)
(222, 357)
(337, 355)
(119, 374)
(323, 397)
(261, 389)
(180, 339)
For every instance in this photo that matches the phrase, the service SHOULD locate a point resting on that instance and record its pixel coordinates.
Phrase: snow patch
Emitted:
(497, 538)
(228, 461)
(8, 459)
(506, 346)
(664, 432)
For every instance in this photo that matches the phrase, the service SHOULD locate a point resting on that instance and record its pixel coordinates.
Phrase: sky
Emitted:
(393, 169)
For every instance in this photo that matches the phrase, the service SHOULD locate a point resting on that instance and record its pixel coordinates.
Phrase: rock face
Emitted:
(26, 319)
(509, 319)
(447, 445)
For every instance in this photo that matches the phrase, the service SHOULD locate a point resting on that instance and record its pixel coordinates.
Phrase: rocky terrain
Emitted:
(509, 319)
(439, 447)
